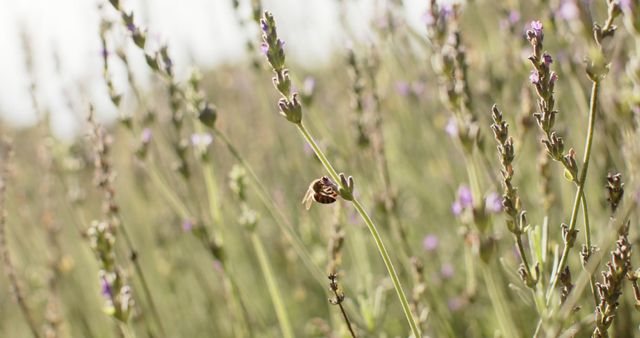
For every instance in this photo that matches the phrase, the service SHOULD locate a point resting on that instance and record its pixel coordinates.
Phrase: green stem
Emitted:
(372, 228)
(179, 207)
(134, 257)
(523, 255)
(275, 212)
(169, 195)
(498, 301)
(471, 271)
(581, 181)
(272, 286)
(587, 241)
(126, 330)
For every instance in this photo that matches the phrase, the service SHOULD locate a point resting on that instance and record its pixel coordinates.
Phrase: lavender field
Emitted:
(468, 169)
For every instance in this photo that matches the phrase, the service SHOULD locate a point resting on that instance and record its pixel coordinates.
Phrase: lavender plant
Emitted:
(405, 115)
(291, 109)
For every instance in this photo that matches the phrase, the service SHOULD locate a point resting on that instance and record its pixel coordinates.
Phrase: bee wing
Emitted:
(308, 199)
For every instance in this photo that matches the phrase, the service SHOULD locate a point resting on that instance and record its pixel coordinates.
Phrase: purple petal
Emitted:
(464, 196)
(493, 203)
(430, 242)
(534, 77)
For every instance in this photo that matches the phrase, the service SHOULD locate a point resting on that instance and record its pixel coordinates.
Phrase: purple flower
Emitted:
(553, 78)
(428, 18)
(446, 10)
(264, 26)
(534, 77)
(402, 88)
(281, 43)
(456, 208)
(547, 59)
(264, 48)
(202, 139)
(464, 196)
(145, 136)
(187, 225)
(536, 26)
(464, 201)
(514, 17)
(568, 10)
(493, 203)
(430, 242)
(106, 288)
(447, 271)
(452, 127)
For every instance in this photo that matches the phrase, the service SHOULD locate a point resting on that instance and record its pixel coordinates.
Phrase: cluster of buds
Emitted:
(336, 242)
(419, 289)
(610, 288)
(117, 294)
(546, 185)
(443, 32)
(333, 286)
(516, 222)
(103, 175)
(273, 48)
(102, 235)
(598, 65)
(615, 190)
(346, 187)
(360, 120)
(143, 143)
(436, 22)
(565, 280)
(238, 183)
(115, 97)
(544, 80)
(161, 63)
(338, 299)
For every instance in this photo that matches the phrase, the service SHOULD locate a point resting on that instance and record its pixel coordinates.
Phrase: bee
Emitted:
(321, 190)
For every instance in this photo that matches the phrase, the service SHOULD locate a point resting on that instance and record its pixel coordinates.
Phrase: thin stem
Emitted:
(126, 331)
(372, 228)
(143, 281)
(344, 314)
(581, 181)
(212, 188)
(274, 291)
(274, 211)
(181, 209)
(523, 255)
(587, 241)
(497, 297)
(169, 195)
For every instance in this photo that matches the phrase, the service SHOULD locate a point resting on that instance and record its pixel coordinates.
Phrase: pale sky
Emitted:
(205, 30)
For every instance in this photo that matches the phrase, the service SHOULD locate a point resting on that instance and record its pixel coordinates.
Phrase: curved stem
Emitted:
(581, 181)
(372, 228)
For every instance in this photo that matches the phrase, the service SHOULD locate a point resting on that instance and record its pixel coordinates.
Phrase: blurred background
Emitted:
(63, 36)
(211, 237)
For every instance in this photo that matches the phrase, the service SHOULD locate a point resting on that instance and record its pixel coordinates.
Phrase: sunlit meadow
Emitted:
(475, 175)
